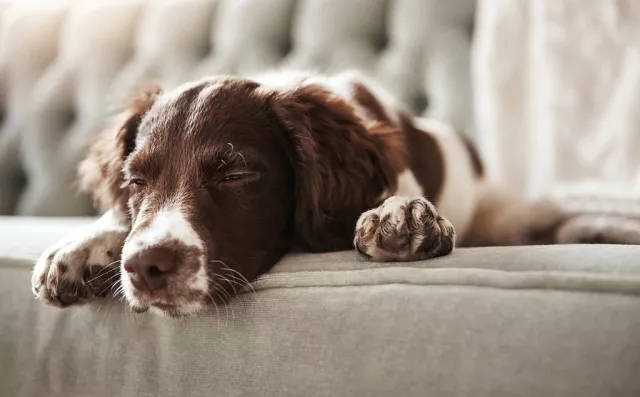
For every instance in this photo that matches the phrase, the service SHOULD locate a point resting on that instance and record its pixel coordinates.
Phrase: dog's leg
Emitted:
(603, 228)
(502, 219)
(403, 229)
(81, 267)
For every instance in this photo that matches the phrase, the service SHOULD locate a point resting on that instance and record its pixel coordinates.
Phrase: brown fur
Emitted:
(426, 160)
(368, 101)
(101, 172)
(334, 152)
(476, 161)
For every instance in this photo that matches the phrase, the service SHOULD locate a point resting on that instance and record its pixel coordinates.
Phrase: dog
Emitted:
(207, 186)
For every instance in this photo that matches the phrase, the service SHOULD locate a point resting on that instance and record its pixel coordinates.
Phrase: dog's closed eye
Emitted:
(137, 182)
(134, 184)
(237, 177)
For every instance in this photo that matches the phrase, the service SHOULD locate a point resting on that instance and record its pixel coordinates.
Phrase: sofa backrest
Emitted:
(65, 68)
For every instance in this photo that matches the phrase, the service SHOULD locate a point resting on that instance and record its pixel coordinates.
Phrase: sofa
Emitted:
(558, 320)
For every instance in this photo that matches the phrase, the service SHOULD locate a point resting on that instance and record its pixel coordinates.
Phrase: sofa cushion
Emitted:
(526, 321)
(65, 68)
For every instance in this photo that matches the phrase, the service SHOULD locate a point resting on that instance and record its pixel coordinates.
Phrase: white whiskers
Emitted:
(232, 277)
(102, 272)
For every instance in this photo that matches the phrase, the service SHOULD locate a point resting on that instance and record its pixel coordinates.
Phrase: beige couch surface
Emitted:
(519, 321)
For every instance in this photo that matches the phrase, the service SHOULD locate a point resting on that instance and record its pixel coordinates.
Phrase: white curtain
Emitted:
(557, 95)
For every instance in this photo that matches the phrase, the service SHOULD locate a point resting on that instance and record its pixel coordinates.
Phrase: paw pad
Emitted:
(403, 229)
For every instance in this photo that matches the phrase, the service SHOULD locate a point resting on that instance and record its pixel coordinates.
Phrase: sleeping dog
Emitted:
(207, 186)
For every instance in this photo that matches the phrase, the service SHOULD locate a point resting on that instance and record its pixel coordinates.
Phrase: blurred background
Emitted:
(549, 90)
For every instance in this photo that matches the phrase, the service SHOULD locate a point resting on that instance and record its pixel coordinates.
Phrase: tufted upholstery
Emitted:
(63, 67)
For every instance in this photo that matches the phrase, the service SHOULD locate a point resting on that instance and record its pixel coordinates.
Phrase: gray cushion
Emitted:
(518, 321)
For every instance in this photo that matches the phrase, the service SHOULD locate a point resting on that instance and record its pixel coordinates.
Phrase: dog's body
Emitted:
(207, 186)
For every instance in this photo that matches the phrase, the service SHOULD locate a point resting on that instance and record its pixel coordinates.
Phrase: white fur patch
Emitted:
(168, 224)
(341, 85)
(459, 193)
(200, 281)
(408, 185)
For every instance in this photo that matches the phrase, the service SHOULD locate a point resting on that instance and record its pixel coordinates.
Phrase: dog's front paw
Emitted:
(75, 270)
(403, 229)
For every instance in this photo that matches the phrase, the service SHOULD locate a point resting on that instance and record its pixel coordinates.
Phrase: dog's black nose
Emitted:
(149, 269)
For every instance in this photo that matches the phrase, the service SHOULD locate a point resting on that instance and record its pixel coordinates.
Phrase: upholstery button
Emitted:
(286, 47)
(420, 103)
(67, 117)
(204, 50)
(381, 42)
(19, 178)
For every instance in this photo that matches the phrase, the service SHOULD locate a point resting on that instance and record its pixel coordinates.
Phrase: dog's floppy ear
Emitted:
(342, 166)
(101, 172)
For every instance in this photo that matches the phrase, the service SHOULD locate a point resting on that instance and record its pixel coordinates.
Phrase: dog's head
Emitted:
(220, 177)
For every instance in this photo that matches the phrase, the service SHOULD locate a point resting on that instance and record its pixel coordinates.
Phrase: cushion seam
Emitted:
(472, 286)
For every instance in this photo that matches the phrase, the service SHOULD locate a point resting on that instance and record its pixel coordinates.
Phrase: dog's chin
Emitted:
(180, 303)
(139, 308)
(167, 310)
(176, 311)
(173, 310)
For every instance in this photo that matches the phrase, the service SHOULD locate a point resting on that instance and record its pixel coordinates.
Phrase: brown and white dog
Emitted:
(207, 186)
